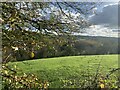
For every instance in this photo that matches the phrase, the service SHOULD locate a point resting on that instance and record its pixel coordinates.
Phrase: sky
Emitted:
(108, 15)
(105, 21)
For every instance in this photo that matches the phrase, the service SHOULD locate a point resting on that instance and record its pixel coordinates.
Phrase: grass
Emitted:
(71, 67)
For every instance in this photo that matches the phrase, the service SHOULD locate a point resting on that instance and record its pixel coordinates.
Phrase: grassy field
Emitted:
(56, 70)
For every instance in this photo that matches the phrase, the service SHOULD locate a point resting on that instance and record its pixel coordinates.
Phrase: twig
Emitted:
(112, 71)
(97, 72)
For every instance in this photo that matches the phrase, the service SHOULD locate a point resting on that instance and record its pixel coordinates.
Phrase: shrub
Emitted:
(11, 80)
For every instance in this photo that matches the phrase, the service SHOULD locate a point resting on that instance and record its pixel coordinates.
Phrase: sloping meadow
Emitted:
(73, 71)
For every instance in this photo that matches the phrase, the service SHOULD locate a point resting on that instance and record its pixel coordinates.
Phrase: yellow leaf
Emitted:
(6, 72)
(32, 54)
(15, 66)
(102, 85)
(33, 42)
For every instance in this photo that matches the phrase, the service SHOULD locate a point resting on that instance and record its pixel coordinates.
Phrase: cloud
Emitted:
(109, 16)
(99, 30)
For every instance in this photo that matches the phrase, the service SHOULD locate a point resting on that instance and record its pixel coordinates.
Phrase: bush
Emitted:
(11, 80)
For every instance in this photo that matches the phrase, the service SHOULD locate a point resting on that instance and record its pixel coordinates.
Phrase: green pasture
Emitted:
(56, 70)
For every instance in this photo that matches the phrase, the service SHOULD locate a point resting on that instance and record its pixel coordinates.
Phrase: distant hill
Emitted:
(96, 45)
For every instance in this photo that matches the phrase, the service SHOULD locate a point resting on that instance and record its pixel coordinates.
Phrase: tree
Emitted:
(27, 25)
(31, 26)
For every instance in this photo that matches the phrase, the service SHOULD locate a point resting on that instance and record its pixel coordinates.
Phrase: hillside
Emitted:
(96, 45)
(56, 70)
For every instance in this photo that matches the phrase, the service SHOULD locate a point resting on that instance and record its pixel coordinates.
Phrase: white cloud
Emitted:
(109, 15)
(110, 4)
(98, 30)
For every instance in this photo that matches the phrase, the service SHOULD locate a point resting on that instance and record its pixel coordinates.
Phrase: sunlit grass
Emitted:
(70, 67)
